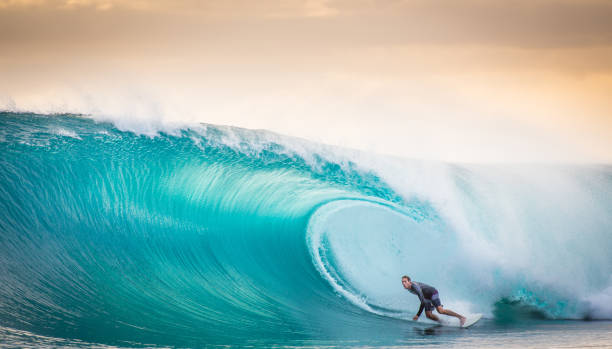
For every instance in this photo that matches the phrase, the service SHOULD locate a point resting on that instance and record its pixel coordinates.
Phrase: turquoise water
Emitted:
(558, 334)
(209, 235)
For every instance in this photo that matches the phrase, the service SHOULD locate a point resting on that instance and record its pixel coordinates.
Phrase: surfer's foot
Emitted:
(462, 320)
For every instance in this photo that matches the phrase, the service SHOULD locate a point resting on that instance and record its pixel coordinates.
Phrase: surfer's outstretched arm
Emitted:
(416, 317)
(419, 294)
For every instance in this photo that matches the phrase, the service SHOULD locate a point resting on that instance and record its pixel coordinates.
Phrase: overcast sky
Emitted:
(467, 81)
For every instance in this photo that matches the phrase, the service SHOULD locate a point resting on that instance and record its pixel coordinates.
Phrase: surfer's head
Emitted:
(406, 282)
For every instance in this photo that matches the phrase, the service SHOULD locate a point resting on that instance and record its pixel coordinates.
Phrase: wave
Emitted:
(205, 233)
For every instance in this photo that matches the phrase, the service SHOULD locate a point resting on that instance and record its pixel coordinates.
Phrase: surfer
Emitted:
(429, 299)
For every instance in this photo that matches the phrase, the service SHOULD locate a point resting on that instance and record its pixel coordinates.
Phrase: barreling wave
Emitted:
(208, 233)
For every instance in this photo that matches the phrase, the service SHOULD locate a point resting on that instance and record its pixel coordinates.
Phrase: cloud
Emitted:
(102, 5)
(242, 8)
(520, 23)
(21, 3)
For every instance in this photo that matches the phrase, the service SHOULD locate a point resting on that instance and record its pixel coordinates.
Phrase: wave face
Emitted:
(207, 233)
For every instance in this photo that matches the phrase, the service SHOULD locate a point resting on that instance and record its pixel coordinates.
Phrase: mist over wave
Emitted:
(199, 233)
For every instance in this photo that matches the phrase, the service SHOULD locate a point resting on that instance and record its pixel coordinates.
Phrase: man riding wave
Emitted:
(429, 298)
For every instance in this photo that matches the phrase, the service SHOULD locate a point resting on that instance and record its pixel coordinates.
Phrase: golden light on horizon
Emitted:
(462, 81)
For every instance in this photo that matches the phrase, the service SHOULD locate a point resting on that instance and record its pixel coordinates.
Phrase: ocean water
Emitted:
(205, 235)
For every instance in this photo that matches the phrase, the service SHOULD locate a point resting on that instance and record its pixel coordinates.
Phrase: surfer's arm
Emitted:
(420, 310)
(419, 293)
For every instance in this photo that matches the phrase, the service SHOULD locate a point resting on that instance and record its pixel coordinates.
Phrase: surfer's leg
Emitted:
(435, 300)
(449, 312)
(431, 315)
(429, 307)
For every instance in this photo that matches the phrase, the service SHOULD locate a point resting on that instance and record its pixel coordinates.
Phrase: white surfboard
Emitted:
(471, 319)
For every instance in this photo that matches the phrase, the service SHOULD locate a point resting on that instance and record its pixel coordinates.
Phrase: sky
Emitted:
(459, 81)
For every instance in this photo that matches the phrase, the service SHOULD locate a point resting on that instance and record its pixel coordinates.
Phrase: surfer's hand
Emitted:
(415, 318)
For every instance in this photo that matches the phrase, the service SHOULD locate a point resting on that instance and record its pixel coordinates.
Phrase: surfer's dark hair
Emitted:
(406, 277)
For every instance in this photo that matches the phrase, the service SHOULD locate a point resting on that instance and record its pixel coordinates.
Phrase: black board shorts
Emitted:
(432, 303)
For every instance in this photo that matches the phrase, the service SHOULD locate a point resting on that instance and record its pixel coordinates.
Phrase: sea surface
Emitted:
(213, 236)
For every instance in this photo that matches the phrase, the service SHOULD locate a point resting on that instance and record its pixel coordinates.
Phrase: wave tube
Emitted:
(512, 243)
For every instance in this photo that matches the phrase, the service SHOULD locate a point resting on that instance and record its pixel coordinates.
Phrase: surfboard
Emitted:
(471, 319)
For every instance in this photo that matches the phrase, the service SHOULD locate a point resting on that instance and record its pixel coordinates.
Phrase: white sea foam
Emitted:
(66, 133)
(600, 304)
